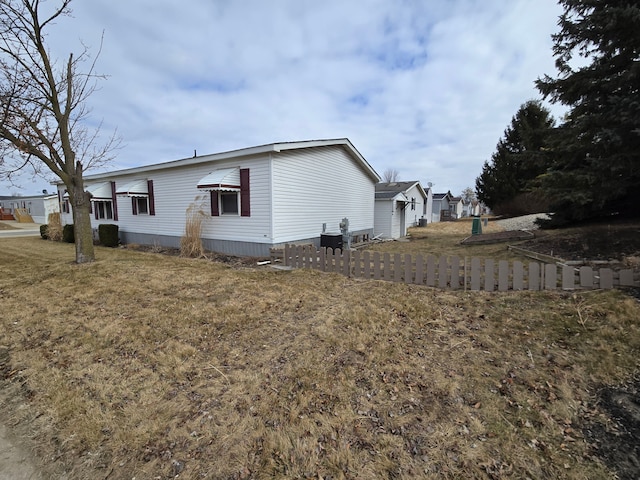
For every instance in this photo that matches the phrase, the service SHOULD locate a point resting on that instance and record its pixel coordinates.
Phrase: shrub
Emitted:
(54, 227)
(43, 232)
(108, 235)
(67, 234)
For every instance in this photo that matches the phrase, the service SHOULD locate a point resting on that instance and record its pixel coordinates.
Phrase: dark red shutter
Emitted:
(115, 203)
(152, 201)
(134, 205)
(245, 197)
(215, 210)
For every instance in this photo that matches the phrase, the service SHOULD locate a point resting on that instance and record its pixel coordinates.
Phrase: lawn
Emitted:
(443, 238)
(152, 366)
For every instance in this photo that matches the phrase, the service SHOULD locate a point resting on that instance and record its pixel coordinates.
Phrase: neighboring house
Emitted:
(441, 206)
(38, 206)
(400, 205)
(252, 199)
(456, 207)
(471, 209)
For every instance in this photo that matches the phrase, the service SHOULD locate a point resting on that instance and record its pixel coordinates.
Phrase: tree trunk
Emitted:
(83, 234)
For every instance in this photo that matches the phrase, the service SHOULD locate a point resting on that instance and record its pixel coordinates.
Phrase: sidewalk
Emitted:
(15, 462)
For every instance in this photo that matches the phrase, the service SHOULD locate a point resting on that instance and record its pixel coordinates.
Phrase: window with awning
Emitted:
(230, 191)
(100, 191)
(142, 197)
(139, 188)
(223, 179)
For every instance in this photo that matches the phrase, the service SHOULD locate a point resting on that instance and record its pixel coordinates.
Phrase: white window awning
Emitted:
(223, 179)
(100, 191)
(139, 188)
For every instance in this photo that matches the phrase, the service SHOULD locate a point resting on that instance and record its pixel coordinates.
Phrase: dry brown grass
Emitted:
(191, 242)
(443, 238)
(148, 366)
(54, 227)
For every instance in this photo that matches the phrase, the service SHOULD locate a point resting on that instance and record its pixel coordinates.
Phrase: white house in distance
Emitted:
(38, 206)
(253, 198)
(400, 205)
(441, 206)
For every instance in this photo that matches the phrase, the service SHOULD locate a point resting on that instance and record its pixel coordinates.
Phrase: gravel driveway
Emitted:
(525, 222)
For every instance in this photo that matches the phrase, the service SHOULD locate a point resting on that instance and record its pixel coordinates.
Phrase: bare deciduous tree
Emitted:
(390, 175)
(43, 109)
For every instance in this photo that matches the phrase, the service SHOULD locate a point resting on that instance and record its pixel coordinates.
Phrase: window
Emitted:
(103, 210)
(140, 205)
(228, 203)
(413, 203)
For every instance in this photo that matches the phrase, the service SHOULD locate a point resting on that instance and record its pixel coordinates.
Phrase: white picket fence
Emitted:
(456, 272)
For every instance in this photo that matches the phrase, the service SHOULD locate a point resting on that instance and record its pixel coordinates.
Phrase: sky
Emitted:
(425, 87)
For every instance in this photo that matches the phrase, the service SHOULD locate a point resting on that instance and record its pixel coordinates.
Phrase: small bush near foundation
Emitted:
(67, 233)
(108, 235)
(43, 232)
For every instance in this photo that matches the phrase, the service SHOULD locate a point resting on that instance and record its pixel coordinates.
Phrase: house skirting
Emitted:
(227, 247)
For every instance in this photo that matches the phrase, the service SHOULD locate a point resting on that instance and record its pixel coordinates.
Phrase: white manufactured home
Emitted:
(400, 205)
(38, 206)
(252, 199)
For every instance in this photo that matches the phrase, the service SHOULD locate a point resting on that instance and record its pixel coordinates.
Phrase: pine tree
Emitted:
(596, 171)
(521, 156)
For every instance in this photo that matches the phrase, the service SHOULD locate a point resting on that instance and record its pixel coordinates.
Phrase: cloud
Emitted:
(424, 87)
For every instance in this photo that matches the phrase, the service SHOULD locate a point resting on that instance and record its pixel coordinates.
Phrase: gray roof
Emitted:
(388, 190)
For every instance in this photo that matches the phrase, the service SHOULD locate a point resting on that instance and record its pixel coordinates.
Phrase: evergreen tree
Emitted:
(596, 171)
(521, 155)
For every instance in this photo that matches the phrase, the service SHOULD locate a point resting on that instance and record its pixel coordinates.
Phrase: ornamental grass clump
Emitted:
(191, 242)
(54, 227)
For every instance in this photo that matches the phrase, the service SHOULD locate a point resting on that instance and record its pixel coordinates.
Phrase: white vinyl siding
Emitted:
(413, 216)
(293, 192)
(317, 186)
(176, 189)
(383, 218)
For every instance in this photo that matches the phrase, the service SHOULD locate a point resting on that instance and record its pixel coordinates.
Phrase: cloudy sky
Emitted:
(426, 87)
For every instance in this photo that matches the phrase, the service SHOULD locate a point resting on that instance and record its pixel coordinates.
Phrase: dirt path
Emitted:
(15, 461)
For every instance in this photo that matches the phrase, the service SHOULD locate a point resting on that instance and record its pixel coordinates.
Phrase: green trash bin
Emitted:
(476, 226)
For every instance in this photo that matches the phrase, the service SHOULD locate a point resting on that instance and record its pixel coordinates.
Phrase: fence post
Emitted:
(455, 272)
(533, 282)
(606, 278)
(489, 275)
(550, 276)
(503, 275)
(586, 277)
(518, 275)
(442, 272)
(475, 274)
(357, 272)
(408, 268)
(367, 265)
(386, 264)
(419, 270)
(323, 259)
(397, 267)
(568, 278)
(431, 271)
(346, 263)
(626, 278)
(377, 274)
